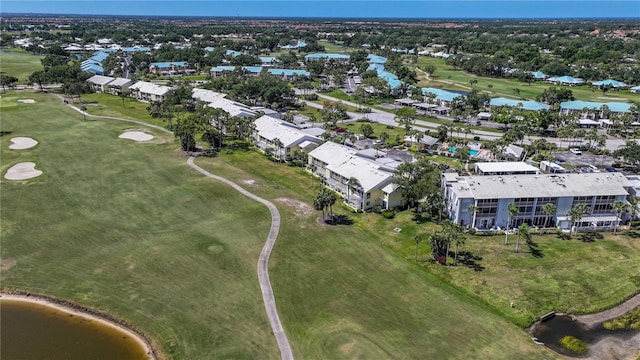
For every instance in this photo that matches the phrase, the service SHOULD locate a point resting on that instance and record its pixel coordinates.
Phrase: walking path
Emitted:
(592, 319)
(263, 261)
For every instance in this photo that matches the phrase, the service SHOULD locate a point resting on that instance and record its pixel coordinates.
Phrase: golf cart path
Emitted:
(263, 262)
(592, 319)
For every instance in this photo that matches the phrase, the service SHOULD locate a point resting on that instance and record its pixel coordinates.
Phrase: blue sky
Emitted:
(336, 8)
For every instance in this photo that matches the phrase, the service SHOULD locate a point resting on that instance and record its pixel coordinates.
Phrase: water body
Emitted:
(551, 331)
(5, 52)
(35, 331)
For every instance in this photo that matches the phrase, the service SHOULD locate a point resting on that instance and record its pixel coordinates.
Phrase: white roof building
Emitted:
(504, 168)
(269, 129)
(100, 80)
(206, 95)
(150, 88)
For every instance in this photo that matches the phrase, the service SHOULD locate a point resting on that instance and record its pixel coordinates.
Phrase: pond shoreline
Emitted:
(608, 347)
(75, 309)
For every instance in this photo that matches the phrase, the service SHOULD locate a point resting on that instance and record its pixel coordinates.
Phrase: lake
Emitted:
(35, 331)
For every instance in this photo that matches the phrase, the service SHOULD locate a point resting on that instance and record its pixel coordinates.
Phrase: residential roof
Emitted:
(92, 67)
(406, 101)
(331, 153)
(425, 139)
(614, 83)
(509, 166)
(327, 56)
(233, 53)
(232, 107)
(206, 95)
(120, 82)
(209, 48)
(369, 173)
(252, 69)
(100, 80)
(271, 128)
(99, 56)
(441, 94)
(566, 80)
(288, 72)
(377, 59)
(526, 186)
(588, 122)
(526, 104)
(221, 68)
(166, 64)
(150, 88)
(579, 105)
(136, 48)
(636, 87)
(539, 75)
(267, 59)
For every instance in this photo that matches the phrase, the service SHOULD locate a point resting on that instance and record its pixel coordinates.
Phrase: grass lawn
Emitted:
(448, 78)
(111, 105)
(20, 65)
(128, 228)
(343, 294)
(330, 47)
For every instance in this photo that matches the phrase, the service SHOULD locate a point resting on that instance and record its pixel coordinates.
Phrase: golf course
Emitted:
(117, 221)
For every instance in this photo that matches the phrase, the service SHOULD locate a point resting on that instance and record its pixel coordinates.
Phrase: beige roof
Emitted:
(271, 128)
(100, 79)
(150, 88)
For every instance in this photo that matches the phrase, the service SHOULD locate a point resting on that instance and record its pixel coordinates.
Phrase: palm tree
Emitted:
(576, 213)
(124, 94)
(512, 210)
(550, 210)
(524, 231)
(351, 184)
(620, 208)
(278, 144)
(473, 209)
(318, 204)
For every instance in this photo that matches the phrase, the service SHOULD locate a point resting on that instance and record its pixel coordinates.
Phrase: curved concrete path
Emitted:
(263, 262)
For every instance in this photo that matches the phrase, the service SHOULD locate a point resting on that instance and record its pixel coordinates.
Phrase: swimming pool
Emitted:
(472, 152)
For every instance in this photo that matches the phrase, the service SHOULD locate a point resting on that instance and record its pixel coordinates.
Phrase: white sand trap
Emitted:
(22, 171)
(136, 136)
(27, 101)
(21, 142)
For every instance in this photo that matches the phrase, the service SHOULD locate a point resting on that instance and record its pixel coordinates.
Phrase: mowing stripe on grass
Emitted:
(263, 263)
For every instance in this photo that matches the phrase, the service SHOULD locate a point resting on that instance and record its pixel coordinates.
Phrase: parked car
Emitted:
(576, 151)
(610, 169)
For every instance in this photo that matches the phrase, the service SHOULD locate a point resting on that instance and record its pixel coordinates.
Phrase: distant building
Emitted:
(504, 168)
(565, 80)
(610, 82)
(591, 109)
(100, 83)
(323, 56)
(148, 92)
(523, 104)
(171, 68)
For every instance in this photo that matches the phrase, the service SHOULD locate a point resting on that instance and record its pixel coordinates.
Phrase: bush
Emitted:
(573, 344)
(388, 214)
(628, 321)
(310, 97)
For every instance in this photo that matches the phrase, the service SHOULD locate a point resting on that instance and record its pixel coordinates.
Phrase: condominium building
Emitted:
(481, 202)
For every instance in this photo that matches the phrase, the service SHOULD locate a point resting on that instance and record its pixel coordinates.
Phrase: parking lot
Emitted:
(583, 160)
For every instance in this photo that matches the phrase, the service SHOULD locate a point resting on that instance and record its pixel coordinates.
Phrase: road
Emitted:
(263, 262)
(387, 118)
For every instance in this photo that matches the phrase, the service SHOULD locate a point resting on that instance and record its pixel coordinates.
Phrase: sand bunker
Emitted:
(27, 101)
(22, 171)
(20, 143)
(136, 136)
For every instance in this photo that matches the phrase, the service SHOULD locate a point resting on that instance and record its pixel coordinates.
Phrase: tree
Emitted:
(630, 152)
(523, 230)
(416, 180)
(366, 130)
(353, 183)
(473, 82)
(620, 207)
(278, 144)
(512, 211)
(576, 213)
(324, 201)
(473, 209)
(454, 234)
(7, 81)
(429, 69)
(406, 117)
(439, 246)
(184, 130)
(124, 94)
(550, 210)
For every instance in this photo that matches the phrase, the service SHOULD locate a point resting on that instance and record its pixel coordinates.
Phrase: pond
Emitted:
(551, 331)
(37, 331)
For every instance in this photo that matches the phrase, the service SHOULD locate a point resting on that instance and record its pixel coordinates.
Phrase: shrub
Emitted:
(388, 214)
(573, 344)
(628, 321)
(311, 97)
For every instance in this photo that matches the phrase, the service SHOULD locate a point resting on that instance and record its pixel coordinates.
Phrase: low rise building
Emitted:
(100, 83)
(171, 68)
(282, 137)
(373, 186)
(148, 92)
(481, 202)
(504, 168)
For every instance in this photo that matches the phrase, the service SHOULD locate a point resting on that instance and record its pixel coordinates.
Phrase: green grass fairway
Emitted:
(342, 293)
(111, 105)
(448, 78)
(20, 65)
(128, 228)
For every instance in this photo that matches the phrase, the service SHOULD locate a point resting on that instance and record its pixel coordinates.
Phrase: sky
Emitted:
(336, 8)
